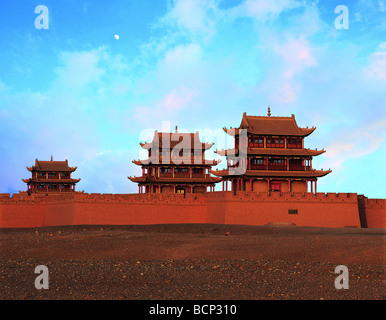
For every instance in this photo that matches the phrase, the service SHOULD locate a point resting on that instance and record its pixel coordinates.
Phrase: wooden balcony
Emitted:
(258, 167)
(280, 167)
(53, 177)
(181, 175)
(299, 168)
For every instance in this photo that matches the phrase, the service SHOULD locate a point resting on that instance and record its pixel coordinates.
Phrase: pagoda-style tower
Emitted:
(51, 177)
(176, 164)
(270, 156)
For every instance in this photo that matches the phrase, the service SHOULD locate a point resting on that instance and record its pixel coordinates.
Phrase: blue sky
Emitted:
(76, 92)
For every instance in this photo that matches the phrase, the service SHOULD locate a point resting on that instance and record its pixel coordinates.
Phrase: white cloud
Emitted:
(197, 17)
(297, 56)
(356, 144)
(382, 6)
(79, 68)
(166, 108)
(263, 10)
(376, 69)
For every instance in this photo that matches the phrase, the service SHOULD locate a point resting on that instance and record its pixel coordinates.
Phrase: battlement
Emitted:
(282, 196)
(153, 198)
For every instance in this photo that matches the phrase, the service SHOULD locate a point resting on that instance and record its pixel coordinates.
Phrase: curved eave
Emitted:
(285, 152)
(137, 179)
(219, 173)
(304, 132)
(145, 145)
(51, 180)
(231, 131)
(182, 180)
(207, 146)
(301, 132)
(273, 173)
(227, 152)
(178, 163)
(212, 162)
(141, 162)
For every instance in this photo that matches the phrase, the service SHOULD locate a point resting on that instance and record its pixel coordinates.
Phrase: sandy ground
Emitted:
(195, 262)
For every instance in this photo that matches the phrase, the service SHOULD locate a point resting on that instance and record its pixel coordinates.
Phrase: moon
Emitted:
(116, 36)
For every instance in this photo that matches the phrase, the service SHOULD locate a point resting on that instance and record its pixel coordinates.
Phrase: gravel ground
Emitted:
(195, 262)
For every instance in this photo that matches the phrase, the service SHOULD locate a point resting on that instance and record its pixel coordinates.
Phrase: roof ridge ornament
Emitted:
(269, 111)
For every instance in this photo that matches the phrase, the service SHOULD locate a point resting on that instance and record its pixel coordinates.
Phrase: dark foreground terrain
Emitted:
(192, 262)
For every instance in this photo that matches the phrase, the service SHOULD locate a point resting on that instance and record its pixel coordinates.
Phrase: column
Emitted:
(223, 185)
(269, 189)
(289, 185)
(174, 187)
(191, 189)
(190, 172)
(312, 191)
(159, 188)
(315, 187)
(250, 184)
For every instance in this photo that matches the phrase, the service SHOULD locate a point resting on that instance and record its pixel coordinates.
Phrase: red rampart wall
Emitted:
(249, 208)
(372, 212)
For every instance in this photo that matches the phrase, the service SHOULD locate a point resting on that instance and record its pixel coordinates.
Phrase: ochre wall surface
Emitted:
(243, 207)
(372, 212)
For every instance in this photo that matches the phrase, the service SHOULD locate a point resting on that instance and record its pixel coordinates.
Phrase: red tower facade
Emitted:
(176, 164)
(269, 155)
(51, 177)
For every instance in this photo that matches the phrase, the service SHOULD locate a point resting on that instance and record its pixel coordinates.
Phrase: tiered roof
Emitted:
(175, 179)
(271, 126)
(183, 140)
(51, 166)
(181, 161)
(267, 125)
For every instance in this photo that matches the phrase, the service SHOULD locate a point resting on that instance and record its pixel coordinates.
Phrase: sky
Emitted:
(88, 80)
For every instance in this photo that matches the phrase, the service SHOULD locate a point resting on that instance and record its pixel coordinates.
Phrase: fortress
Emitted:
(268, 172)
